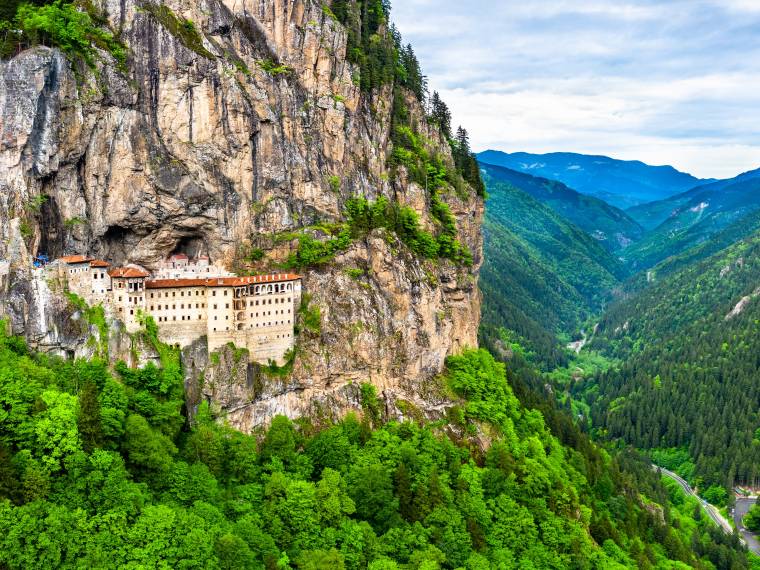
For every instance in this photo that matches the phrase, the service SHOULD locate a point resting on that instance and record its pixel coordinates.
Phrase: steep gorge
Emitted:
(233, 128)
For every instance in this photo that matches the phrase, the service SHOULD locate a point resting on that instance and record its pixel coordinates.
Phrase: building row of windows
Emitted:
(133, 300)
(198, 293)
(181, 306)
(182, 318)
(268, 313)
(277, 301)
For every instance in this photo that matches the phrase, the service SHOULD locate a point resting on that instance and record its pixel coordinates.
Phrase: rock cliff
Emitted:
(232, 123)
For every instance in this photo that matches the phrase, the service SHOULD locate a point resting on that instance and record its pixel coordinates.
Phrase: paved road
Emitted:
(711, 511)
(751, 540)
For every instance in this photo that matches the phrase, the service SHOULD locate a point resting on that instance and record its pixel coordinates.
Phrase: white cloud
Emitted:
(661, 81)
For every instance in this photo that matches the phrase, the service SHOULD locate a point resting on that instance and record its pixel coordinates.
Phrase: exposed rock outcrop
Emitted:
(197, 147)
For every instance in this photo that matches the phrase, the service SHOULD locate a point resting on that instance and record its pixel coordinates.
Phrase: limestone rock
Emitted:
(198, 148)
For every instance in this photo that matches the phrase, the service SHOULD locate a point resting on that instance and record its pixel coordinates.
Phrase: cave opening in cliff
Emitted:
(191, 246)
(116, 242)
(51, 227)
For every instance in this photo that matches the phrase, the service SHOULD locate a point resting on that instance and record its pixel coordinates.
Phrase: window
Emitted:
(225, 292)
(214, 306)
(182, 294)
(151, 307)
(151, 295)
(213, 293)
(174, 293)
(182, 306)
(175, 317)
(226, 305)
(131, 311)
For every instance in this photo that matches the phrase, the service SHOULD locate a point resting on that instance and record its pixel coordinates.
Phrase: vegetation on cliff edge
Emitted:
(99, 470)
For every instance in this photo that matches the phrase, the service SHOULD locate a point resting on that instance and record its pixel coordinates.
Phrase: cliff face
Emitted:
(204, 144)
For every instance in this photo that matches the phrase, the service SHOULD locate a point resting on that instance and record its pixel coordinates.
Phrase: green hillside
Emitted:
(542, 275)
(104, 471)
(694, 218)
(612, 227)
(690, 344)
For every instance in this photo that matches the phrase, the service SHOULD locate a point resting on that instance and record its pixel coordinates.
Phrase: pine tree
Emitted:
(403, 483)
(88, 417)
(440, 113)
(415, 81)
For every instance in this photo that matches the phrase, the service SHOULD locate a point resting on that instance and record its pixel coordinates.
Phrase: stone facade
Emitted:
(181, 266)
(256, 312)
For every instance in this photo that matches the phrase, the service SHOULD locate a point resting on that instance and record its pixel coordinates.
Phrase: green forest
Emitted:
(689, 380)
(102, 468)
(672, 355)
(543, 276)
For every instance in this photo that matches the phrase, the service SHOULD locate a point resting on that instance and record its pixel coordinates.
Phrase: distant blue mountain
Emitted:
(694, 217)
(612, 227)
(621, 183)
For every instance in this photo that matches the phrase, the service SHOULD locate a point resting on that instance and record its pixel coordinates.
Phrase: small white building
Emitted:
(180, 266)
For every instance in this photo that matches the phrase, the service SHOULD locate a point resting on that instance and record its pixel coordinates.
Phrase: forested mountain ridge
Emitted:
(693, 217)
(542, 275)
(621, 183)
(652, 214)
(689, 346)
(108, 473)
(612, 227)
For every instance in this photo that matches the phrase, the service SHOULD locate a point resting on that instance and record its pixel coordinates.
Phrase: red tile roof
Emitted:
(128, 272)
(99, 263)
(72, 259)
(221, 281)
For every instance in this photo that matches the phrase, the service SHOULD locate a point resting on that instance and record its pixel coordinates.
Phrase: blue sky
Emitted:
(667, 82)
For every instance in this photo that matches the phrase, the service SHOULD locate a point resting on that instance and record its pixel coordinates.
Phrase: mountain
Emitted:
(542, 274)
(689, 349)
(692, 217)
(234, 132)
(652, 214)
(621, 183)
(285, 136)
(612, 227)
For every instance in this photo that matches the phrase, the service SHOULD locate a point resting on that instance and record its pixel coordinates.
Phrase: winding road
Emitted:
(711, 511)
(742, 506)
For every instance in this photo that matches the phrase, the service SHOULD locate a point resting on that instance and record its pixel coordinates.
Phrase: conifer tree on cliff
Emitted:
(440, 113)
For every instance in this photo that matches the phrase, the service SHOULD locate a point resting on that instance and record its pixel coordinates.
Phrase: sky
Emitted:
(666, 82)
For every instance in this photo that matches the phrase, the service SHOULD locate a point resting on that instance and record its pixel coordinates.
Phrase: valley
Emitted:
(401, 354)
(671, 366)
